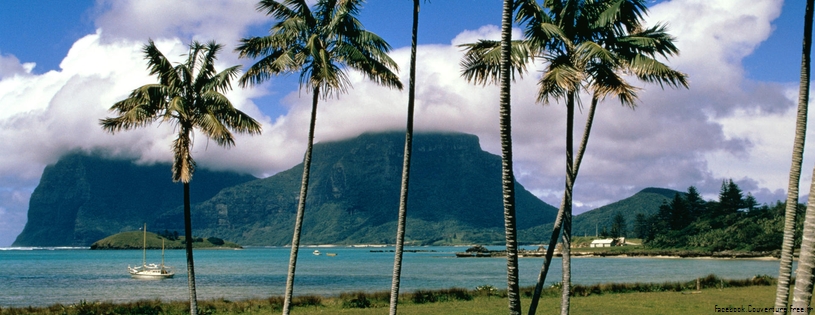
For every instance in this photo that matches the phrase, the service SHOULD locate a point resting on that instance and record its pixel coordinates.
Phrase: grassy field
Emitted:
(638, 298)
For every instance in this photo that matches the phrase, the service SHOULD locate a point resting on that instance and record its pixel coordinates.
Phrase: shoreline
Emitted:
(666, 254)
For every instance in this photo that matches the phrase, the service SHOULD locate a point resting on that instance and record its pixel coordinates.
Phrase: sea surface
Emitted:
(46, 276)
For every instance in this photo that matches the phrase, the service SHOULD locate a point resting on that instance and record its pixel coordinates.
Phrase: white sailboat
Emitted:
(150, 271)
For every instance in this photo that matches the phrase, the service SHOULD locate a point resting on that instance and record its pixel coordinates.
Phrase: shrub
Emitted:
(359, 301)
(215, 241)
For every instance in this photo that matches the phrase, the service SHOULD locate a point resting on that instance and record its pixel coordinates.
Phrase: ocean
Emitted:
(46, 276)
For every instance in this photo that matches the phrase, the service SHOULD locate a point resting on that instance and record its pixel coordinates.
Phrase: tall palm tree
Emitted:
(507, 176)
(806, 262)
(320, 43)
(403, 195)
(497, 62)
(190, 96)
(585, 45)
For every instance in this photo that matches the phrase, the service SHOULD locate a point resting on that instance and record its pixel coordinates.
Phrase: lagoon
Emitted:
(45, 276)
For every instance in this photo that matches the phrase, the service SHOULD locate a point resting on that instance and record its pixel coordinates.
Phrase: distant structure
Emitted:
(608, 242)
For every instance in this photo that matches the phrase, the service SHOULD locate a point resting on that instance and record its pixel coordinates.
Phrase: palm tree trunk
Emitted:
(806, 262)
(301, 206)
(507, 177)
(787, 246)
(188, 246)
(403, 196)
(550, 250)
(567, 208)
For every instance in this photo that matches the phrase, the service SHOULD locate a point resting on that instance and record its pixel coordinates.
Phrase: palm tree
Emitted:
(497, 62)
(804, 273)
(507, 176)
(586, 45)
(403, 195)
(320, 43)
(190, 95)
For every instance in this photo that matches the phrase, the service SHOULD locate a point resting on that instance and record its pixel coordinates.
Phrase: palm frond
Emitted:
(481, 62)
(220, 82)
(234, 119)
(651, 70)
(206, 70)
(158, 64)
(287, 10)
(589, 51)
(605, 81)
(558, 80)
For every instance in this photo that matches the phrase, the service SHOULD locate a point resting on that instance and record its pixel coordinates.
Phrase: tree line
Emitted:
(733, 222)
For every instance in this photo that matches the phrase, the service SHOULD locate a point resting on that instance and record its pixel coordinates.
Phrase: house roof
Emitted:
(603, 241)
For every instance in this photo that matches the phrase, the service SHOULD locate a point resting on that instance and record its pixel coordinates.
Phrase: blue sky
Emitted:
(735, 121)
(42, 32)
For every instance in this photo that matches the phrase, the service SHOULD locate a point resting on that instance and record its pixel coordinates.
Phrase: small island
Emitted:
(135, 240)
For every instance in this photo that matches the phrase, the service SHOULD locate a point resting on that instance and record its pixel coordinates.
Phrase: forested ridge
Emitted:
(733, 222)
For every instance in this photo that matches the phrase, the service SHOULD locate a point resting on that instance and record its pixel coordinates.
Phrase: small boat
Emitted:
(151, 271)
(316, 252)
(331, 254)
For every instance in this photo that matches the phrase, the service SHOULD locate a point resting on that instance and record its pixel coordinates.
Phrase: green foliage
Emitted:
(605, 294)
(645, 201)
(733, 222)
(215, 241)
(134, 240)
(354, 189)
(359, 300)
(618, 226)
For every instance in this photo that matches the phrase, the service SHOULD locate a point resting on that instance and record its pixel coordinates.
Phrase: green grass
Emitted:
(627, 298)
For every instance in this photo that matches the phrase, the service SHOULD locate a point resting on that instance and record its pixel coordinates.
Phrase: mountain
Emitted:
(646, 201)
(455, 196)
(83, 198)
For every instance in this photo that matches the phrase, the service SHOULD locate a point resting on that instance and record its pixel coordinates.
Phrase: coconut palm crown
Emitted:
(320, 44)
(190, 96)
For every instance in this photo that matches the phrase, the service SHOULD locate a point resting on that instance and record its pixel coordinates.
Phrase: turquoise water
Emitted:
(48, 276)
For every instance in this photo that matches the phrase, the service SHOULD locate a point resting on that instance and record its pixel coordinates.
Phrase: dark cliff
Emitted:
(83, 198)
(455, 197)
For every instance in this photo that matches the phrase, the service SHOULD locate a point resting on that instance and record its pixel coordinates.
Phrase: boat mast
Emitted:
(162, 254)
(144, 246)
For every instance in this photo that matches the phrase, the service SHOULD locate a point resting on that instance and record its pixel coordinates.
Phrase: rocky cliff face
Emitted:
(82, 199)
(455, 196)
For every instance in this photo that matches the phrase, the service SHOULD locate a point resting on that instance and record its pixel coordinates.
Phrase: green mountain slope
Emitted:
(83, 198)
(646, 201)
(455, 196)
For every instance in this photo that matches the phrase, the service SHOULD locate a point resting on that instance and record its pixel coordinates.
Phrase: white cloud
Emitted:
(221, 20)
(10, 66)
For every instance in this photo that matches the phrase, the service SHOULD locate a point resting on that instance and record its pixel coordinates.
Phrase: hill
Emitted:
(135, 240)
(646, 201)
(455, 196)
(83, 198)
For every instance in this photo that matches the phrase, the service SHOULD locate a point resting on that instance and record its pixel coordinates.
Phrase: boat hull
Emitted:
(150, 272)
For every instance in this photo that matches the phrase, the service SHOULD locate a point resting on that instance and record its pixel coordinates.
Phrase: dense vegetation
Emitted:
(135, 240)
(734, 222)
